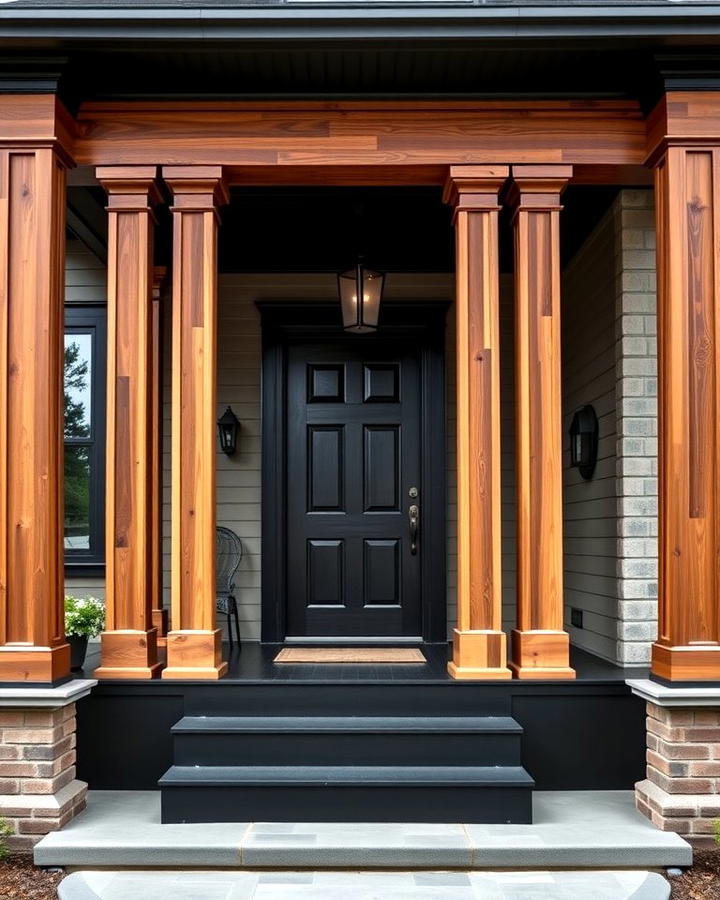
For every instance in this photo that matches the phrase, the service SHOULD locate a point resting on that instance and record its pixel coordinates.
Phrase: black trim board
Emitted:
(281, 322)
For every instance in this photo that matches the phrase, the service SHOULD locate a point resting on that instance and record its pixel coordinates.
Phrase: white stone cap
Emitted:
(664, 695)
(48, 697)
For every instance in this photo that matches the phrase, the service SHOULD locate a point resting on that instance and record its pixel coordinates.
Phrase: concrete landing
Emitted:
(233, 885)
(572, 829)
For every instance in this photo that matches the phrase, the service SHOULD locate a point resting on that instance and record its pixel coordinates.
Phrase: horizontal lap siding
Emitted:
(588, 376)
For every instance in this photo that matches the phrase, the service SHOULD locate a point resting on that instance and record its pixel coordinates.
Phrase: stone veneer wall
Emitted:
(682, 790)
(636, 410)
(38, 789)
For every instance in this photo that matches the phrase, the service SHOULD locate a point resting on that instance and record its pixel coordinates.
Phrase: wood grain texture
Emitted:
(479, 642)
(688, 206)
(360, 134)
(129, 643)
(159, 613)
(193, 644)
(683, 119)
(540, 646)
(32, 244)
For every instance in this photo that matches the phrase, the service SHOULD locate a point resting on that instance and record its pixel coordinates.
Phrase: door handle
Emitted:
(413, 516)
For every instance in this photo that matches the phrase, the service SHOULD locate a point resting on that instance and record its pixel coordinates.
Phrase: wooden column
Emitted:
(688, 237)
(129, 643)
(159, 613)
(540, 646)
(194, 648)
(32, 261)
(479, 645)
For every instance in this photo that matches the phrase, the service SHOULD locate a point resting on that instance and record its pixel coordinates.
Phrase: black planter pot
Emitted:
(78, 649)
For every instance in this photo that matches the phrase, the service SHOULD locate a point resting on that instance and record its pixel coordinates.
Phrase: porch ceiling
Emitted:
(320, 229)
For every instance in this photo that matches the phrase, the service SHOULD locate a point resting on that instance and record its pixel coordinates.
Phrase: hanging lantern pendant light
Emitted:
(360, 294)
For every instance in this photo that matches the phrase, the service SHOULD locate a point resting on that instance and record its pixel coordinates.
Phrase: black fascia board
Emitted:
(63, 26)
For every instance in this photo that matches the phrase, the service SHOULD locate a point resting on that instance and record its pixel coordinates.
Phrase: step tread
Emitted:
(340, 724)
(333, 776)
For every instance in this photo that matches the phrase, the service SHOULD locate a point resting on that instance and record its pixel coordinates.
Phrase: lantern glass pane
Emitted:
(347, 288)
(372, 292)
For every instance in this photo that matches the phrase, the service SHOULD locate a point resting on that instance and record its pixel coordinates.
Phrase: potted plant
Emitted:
(84, 618)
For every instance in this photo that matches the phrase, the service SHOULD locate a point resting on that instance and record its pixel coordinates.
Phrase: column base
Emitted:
(128, 654)
(45, 665)
(479, 655)
(195, 654)
(698, 662)
(160, 623)
(541, 655)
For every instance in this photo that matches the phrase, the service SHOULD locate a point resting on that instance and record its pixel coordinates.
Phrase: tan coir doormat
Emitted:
(349, 655)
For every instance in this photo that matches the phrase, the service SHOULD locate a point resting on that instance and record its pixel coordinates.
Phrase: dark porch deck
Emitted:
(586, 734)
(255, 664)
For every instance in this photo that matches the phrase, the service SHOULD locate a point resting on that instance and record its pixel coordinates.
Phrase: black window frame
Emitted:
(91, 318)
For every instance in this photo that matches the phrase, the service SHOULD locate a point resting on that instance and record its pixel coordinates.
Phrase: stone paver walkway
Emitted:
(571, 829)
(234, 885)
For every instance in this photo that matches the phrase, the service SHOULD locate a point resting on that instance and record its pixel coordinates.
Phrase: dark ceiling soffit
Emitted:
(166, 24)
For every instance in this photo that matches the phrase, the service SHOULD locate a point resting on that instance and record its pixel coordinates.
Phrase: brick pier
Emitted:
(39, 792)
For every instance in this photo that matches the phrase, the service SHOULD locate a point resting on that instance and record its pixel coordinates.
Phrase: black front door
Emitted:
(354, 510)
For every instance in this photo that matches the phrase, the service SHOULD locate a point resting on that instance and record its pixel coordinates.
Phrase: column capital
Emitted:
(683, 118)
(537, 187)
(470, 188)
(129, 188)
(37, 121)
(159, 276)
(196, 188)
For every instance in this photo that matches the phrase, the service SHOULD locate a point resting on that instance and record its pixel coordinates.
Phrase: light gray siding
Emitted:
(588, 376)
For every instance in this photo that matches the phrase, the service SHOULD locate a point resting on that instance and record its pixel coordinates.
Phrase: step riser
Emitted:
(365, 699)
(355, 749)
(228, 803)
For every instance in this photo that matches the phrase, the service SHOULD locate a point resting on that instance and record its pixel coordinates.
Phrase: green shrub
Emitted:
(6, 830)
(716, 826)
(84, 616)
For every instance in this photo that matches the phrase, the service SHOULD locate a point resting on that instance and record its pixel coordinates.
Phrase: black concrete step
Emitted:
(489, 794)
(347, 740)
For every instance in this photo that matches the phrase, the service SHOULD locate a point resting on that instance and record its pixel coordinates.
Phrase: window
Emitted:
(84, 402)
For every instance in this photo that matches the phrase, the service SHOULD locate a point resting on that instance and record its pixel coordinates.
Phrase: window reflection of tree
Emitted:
(77, 426)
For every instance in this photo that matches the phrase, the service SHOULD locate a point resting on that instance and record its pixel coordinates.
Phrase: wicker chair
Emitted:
(228, 555)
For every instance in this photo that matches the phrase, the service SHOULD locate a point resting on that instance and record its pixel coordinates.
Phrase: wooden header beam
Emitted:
(421, 138)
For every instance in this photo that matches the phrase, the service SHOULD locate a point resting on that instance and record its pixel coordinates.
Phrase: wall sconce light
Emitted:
(228, 427)
(584, 441)
(360, 315)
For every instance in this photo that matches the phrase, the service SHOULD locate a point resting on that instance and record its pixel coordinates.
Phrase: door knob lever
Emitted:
(414, 517)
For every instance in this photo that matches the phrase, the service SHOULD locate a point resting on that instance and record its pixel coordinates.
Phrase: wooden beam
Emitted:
(159, 613)
(32, 257)
(194, 648)
(540, 645)
(326, 136)
(479, 644)
(129, 642)
(688, 235)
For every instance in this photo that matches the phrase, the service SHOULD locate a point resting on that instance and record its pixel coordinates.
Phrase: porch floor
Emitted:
(255, 664)
(583, 829)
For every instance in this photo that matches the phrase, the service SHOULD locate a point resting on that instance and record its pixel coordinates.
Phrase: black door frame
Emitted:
(285, 321)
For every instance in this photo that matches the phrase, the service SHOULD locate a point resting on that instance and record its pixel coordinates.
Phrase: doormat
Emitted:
(381, 655)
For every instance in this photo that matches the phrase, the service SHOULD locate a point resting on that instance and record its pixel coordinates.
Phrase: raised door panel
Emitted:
(381, 468)
(326, 468)
(381, 572)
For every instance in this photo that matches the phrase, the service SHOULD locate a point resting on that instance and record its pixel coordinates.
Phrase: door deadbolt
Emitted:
(413, 492)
